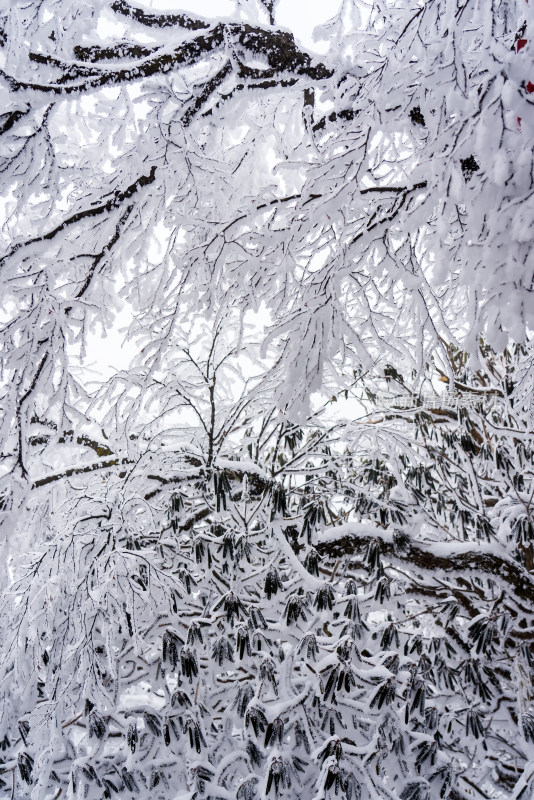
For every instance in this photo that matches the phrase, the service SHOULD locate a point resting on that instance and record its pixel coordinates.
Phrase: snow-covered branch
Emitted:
(432, 559)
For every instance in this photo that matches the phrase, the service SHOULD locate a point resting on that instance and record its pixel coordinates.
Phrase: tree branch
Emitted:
(99, 448)
(70, 71)
(269, 7)
(105, 250)
(8, 120)
(346, 115)
(402, 195)
(158, 20)
(208, 89)
(114, 201)
(278, 48)
(80, 470)
(457, 558)
(122, 50)
(185, 55)
(22, 400)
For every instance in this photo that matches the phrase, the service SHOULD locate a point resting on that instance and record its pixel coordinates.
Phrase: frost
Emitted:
(283, 549)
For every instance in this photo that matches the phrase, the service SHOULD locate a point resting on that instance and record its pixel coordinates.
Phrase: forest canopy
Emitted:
(288, 550)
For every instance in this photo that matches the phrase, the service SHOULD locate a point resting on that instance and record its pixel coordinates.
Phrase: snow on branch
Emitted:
(278, 48)
(158, 20)
(111, 203)
(433, 558)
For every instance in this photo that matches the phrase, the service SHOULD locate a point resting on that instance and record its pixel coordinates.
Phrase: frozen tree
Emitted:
(215, 583)
(244, 607)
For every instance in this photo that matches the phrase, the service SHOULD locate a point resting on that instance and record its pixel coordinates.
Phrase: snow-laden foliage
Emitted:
(289, 552)
(377, 195)
(246, 608)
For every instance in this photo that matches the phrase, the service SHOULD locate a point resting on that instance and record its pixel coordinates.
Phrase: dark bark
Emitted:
(278, 48)
(419, 556)
(114, 201)
(8, 120)
(122, 50)
(113, 462)
(158, 20)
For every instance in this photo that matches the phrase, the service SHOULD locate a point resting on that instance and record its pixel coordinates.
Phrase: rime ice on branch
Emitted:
(270, 559)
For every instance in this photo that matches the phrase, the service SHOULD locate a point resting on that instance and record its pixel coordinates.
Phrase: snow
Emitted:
(282, 267)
